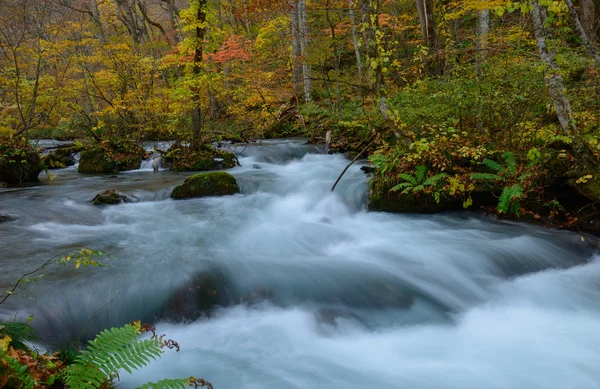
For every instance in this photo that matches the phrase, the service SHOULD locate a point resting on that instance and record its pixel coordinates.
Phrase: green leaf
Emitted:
(486, 176)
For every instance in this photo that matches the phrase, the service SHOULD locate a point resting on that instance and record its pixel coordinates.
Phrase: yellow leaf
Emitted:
(4, 342)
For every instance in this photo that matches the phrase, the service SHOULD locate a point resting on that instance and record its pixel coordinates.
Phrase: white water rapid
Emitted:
(313, 291)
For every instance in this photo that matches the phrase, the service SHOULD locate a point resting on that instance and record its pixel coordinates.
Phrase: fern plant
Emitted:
(509, 201)
(119, 349)
(417, 182)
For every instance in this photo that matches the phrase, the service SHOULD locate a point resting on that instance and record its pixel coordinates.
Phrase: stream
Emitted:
(313, 291)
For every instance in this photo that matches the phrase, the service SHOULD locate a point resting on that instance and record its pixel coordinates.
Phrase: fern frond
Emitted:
(112, 350)
(420, 173)
(401, 186)
(495, 166)
(408, 178)
(434, 179)
(511, 162)
(524, 176)
(181, 383)
(508, 195)
(486, 176)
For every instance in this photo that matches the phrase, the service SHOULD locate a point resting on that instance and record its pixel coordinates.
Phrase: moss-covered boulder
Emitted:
(19, 162)
(206, 184)
(110, 197)
(111, 157)
(182, 158)
(54, 161)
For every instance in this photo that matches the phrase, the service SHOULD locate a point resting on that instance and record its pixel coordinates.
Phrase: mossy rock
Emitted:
(109, 197)
(54, 161)
(19, 163)
(379, 201)
(182, 158)
(206, 184)
(382, 200)
(111, 157)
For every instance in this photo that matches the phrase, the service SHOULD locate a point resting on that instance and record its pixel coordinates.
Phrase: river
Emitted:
(315, 292)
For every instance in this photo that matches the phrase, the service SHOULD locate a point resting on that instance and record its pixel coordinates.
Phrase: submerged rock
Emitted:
(196, 297)
(206, 184)
(111, 157)
(6, 218)
(111, 197)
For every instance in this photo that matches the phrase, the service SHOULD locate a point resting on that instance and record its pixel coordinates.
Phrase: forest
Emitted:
(480, 109)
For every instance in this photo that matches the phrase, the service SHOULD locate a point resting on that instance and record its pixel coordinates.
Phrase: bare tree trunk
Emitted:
(583, 35)
(197, 67)
(552, 77)
(296, 53)
(303, 29)
(427, 22)
(589, 22)
(355, 37)
(173, 11)
(95, 16)
(483, 29)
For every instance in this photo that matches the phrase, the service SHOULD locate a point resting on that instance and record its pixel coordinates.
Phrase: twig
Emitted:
(351, 163)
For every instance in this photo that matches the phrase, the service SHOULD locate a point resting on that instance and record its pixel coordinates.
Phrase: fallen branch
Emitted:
(351, 163)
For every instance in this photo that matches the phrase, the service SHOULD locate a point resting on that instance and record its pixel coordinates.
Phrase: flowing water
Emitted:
(314, 292)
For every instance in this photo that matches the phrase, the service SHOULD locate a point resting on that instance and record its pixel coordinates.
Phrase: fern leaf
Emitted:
(511, 162)
(434, 179)
(508, 195)
(486, 176)
(401, 186)
(408, 178)
(420, 173)
(495, 166)
(524, 176)
(181, 383)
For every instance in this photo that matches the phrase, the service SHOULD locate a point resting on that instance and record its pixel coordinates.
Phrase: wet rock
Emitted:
(330, 316)
(183, 158)
(111, 157)
(195, 298)
(112, 197)
(206, 184)
(6, 218)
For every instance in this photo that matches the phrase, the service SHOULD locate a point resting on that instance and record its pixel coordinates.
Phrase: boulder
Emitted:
(182, 158)
(19, 163)
(111, 157)
(196, 297)
(111, 197)
(206, 184)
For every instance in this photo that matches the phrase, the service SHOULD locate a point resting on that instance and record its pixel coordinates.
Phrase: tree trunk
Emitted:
(296, 54)
(355, 37)
(552, 77)
(427, 22)
(589, 22)
(483, 30)
(583, 34)
(197, 67)
(303, 29)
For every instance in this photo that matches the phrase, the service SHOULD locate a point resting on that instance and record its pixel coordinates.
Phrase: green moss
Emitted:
(19, 162)
(182, 158)
(111, 157)
(108, 197)
(206, 184)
